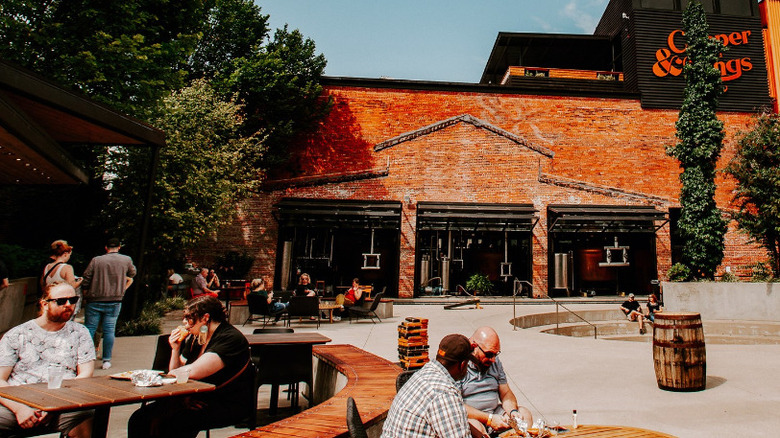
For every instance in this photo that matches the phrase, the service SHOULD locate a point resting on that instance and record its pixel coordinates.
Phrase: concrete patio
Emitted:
(607, 381)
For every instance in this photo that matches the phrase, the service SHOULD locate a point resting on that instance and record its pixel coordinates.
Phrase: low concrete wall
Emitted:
(12, 302)
(720, 300)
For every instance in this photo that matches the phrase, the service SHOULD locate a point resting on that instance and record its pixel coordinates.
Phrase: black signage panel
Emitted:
(660, 52)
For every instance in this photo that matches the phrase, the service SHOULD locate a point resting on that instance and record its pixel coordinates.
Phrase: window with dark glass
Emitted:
(736, 7)
(658, 4)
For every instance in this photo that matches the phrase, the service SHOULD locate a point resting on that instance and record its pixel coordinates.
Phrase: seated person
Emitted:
(258, 288)
(488, 398)
(175, 282)
(213, 351)
(304, 289)
(200, 285)
(633, 311)
(653, 307)
(27, 350)
(354, 295)
(212, 280)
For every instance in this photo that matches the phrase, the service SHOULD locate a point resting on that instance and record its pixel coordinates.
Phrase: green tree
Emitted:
(127, 53)
(756, 167)
(700, 136)
(280, 88)
(233, 29)
(204, 171)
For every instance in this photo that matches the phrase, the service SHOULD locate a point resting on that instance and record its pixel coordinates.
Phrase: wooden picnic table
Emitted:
(598, 431)
(99, 393)
(280, 356)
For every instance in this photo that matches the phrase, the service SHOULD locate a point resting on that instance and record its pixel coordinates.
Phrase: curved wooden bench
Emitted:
(370, 381)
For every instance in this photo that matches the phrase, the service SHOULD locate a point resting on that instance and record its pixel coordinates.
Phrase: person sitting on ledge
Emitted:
(633, 311)
(653, 307)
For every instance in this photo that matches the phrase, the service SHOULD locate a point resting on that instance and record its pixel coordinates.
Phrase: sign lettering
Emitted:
(671, 59)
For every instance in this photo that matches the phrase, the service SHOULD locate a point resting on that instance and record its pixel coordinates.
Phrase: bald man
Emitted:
(488, 398)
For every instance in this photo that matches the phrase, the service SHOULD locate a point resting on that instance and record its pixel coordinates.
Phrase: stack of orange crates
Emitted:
(413, 343)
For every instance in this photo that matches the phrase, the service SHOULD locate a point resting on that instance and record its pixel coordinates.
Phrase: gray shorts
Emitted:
(62, 423)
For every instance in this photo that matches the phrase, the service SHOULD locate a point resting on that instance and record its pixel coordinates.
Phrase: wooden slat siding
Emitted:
(370, 381)
(559, 73)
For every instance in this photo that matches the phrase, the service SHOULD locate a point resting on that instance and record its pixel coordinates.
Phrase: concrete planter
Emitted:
(720, 300)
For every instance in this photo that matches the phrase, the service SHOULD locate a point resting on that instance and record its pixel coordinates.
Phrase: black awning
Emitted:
(470, 216)
(604, 218)
(339, 213)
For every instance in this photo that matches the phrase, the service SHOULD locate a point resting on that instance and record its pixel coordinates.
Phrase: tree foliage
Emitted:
(700, 136)
(280, 87)
(132, 55)
(204, 171)
(127, 53)
(756, 167)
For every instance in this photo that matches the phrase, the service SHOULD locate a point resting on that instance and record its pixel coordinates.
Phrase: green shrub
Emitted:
(149, 321)
(729, 277)
(761, 273)
(480, 283)
(679, 272)
(21, 261)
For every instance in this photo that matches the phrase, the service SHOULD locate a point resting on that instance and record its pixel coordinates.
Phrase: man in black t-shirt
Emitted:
(633, 311)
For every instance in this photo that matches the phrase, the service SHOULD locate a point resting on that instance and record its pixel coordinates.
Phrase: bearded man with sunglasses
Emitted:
(489, 400)
(27, 351)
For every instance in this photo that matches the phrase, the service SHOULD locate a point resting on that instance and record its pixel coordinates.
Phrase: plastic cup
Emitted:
(182, 375)
(56, 373)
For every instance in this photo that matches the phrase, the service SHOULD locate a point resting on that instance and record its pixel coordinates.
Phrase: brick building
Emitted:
(550, 172)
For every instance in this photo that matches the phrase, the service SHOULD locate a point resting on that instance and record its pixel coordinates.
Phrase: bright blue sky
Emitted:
(441, 40)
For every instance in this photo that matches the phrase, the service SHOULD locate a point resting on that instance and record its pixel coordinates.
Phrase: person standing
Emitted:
(59, 271)
(106, 280)
(27, 351)
(430, 404)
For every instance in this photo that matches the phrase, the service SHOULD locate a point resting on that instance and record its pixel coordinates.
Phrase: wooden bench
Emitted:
(370, 380)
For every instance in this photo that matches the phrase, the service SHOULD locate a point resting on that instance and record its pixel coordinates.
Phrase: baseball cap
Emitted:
(455, 348)
(631, 295)
(113, 243)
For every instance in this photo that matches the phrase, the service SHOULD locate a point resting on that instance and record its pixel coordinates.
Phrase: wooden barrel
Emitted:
(678, 352)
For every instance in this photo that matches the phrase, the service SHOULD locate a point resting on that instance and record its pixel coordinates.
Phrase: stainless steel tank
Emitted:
(562, 276)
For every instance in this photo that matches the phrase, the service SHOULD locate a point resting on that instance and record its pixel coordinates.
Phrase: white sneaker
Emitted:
(337, 318)
(106, 365)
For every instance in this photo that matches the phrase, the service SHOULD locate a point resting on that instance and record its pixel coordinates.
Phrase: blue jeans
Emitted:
(109, 313)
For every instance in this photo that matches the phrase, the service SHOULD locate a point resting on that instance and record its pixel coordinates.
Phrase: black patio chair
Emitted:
(402, 378)
(354, 423)
(304, 307)
(258, 305)
(367, 312)
(249, 417)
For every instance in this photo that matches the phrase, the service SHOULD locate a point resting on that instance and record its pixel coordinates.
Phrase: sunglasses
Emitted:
(488, 354)
(62, 301)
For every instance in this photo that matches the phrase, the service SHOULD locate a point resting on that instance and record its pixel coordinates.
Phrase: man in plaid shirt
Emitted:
(430, 404)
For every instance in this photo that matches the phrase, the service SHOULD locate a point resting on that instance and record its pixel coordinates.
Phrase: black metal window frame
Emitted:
(303, 212)
(604, 218)
(476, 217)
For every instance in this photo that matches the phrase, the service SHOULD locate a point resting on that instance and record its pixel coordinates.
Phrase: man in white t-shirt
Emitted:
(27, 350)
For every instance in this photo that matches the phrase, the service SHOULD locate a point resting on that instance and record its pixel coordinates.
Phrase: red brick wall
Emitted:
(611, 143)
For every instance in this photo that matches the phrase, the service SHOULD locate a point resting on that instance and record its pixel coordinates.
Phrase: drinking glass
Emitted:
(56, 373)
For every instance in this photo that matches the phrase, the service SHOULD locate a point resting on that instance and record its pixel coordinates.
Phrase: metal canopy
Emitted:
(38, 119)
(473, 217)
(580, 52)
(339, 213)
(604, 218)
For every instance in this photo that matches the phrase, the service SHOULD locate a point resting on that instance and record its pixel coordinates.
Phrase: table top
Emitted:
(94, 392)
(325, 306)
(287, 338)
(597, 431)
